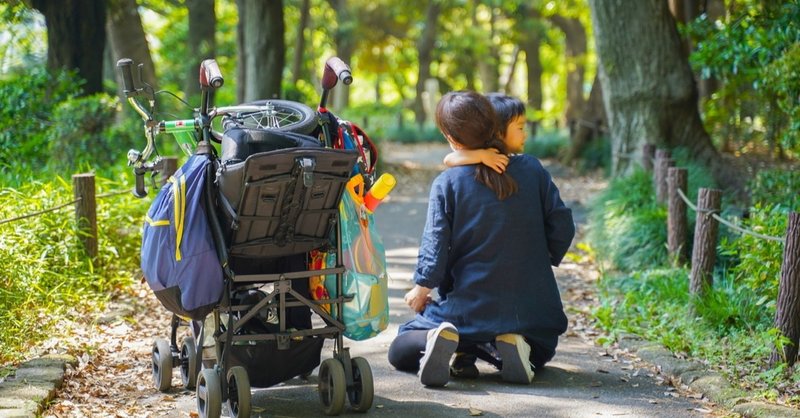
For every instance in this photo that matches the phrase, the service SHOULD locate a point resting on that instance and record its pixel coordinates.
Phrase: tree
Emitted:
(127, 38)
(648, 88)
(262, 50)
(345, 40)
(575, 39)
(300, 42)
(201, 41)
(425, 46)
(76, 38)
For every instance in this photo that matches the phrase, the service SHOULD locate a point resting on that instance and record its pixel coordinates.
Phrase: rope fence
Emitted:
(727, 223)
(85, 203)
(670, 184)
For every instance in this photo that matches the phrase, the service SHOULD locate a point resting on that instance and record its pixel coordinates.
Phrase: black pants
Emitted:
(406, 351)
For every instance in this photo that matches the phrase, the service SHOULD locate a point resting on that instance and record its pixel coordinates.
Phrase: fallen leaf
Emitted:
(475, 412)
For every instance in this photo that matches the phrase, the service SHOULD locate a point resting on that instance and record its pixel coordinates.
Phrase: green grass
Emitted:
(45, 276)
(731, 328)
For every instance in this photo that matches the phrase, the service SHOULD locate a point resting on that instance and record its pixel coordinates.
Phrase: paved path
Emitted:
(583, 380)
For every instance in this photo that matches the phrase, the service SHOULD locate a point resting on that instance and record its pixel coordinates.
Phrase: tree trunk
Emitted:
(76, 38)
(425, 48)
(261, 49)
(300, 42)
(202, 44)
(787, 315)
(575, 36)
(590, 124)
(648, 87)
(530, 44)
(344, 39)
(488, 62)
(127, 38)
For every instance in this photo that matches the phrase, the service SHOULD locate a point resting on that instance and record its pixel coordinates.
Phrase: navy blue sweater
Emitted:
(491, 259)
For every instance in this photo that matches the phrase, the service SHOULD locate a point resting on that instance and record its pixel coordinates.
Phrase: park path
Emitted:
(112, 377)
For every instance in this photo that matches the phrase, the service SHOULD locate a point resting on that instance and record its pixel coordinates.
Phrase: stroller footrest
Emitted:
(253, 278)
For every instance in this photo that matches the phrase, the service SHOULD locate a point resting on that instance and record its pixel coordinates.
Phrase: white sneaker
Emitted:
(434, 366)
(516, 353)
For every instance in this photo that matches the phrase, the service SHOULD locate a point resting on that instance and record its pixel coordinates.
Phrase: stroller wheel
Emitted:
(361, 394)
(209, 394)
(332, 386)
(188, 359)
(162, 364)
(238, 392)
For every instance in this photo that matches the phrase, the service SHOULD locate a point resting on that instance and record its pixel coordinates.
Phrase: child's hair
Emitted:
(507, 108)
(469, 119)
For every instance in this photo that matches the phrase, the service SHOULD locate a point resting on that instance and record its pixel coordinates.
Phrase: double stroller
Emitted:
(271, 198)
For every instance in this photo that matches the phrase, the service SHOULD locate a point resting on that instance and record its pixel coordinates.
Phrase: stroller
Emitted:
(269, 199)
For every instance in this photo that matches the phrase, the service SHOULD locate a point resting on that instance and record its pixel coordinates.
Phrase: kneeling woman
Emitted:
(488, 245)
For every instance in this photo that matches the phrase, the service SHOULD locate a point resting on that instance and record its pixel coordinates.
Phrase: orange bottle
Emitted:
(379, 191)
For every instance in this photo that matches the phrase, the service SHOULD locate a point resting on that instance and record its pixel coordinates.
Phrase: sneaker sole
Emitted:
(435, 368)
(514, 366)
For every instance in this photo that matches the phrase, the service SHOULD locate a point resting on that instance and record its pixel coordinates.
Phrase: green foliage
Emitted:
(755, 53)
(778, 186)
(27, 101)
(44, 276)
(413, 134)
(547, 144)
(83, 132)
(596, 155)
(627, 224)
(757, 263)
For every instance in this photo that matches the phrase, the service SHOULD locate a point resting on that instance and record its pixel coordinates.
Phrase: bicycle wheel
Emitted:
(281, 115)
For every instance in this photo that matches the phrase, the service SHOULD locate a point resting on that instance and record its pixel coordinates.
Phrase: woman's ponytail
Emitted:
(503, 185)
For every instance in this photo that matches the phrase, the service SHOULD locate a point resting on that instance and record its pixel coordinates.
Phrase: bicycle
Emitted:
(272, 114)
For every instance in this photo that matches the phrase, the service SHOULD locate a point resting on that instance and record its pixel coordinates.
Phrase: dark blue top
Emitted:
(491, 259)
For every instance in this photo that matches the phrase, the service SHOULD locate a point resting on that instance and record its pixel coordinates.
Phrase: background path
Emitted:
(112, 377)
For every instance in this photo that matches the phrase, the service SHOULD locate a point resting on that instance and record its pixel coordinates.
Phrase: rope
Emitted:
(30, 215)
(727, 223)
(61, 206)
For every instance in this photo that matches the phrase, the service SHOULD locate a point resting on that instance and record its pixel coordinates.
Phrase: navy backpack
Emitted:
(179, 258)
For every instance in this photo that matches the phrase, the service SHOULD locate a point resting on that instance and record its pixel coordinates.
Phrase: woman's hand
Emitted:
(417, 298)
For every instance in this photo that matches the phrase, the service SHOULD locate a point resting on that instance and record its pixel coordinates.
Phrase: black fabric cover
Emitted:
(239, 143)
(267, 366)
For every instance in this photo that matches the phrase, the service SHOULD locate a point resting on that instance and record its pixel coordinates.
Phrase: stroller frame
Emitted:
(341, 376)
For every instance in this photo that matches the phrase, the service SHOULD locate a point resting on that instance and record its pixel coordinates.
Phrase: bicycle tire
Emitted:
(288, 116)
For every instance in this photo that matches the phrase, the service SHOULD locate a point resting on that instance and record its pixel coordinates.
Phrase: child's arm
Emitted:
(489, 157)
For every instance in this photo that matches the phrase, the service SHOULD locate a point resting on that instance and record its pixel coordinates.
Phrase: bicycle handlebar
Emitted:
(335, 70)
(124, 65)
(210, 75)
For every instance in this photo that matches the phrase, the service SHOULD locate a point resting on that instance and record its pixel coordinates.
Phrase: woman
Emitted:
(488, 245)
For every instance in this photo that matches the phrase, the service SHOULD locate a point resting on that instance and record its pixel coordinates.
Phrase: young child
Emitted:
(511, 120)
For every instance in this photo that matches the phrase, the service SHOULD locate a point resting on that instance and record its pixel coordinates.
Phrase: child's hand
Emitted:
(493, 159)
(417, 298)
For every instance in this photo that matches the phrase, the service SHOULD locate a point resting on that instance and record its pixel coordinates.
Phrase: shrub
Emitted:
(547, 144)
(776, 187)
(26, 105)
(83, 132)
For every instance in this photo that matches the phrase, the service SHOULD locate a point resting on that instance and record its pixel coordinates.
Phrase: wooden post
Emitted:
(648, 153)
(660, 155)
(662, 166)
(86, 211)
(168, 167)
(705, 240)
(677, 224)
(787, 312)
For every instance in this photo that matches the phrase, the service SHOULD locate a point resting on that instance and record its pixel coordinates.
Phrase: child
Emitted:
(511, 120)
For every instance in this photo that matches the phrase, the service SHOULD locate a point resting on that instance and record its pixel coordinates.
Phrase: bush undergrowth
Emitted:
(45, 277)
(642, 292)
